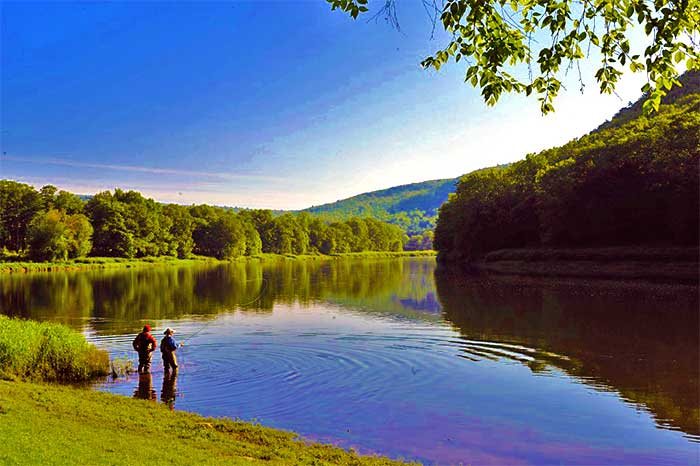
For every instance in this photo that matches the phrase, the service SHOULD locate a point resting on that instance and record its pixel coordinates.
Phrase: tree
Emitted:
(287, 236)
(181, 229)
(524, 46)
(79, 235)
(261, 219)
(53, 235)
(113, 236)
(253, 243)
(632, 182)
(19, 203)
(48, 194)
(47, 237)
(68, 203)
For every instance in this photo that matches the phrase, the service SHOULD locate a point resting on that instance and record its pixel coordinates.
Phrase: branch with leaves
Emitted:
(498, 38)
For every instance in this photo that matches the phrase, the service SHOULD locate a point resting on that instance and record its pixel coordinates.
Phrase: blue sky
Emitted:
(252, 103)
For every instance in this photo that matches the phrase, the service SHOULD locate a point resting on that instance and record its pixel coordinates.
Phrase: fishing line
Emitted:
(207, 324)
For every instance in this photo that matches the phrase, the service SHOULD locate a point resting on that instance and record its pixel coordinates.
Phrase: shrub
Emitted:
(48, 352)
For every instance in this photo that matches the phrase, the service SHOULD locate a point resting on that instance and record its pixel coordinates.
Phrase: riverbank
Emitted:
(52, 424)
(43, 423)
(91, 263)
(636, 263)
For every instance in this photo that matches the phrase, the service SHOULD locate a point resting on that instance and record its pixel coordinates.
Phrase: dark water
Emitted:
(389, 357)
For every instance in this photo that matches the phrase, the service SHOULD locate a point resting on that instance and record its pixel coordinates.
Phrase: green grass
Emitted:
(45, 424)
(88, 263)
(345, 255)
(49, 352)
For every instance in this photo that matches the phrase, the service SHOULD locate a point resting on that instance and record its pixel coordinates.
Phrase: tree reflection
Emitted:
(638, 339)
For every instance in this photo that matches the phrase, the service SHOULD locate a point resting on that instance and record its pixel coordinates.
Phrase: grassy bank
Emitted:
(44, 351)
(89, 263)
(646, 263)
(59, 424)
(42, 424)
(346, 255)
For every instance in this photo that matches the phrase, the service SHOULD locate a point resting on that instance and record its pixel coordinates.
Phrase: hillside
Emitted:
(412, 206)
(631, 182)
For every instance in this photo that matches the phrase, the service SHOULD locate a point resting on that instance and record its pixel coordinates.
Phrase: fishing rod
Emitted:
(206, 324)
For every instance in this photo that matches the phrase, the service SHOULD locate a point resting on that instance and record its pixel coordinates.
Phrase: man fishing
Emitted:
(145, 344)
(167, 349)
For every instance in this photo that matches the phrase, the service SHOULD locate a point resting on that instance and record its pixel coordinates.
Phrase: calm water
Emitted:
(387, 356)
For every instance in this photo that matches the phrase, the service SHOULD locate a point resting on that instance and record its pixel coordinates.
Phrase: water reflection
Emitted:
(168, 392)
(306, 344)
(144, 390)
(638, 339)
(116, 301)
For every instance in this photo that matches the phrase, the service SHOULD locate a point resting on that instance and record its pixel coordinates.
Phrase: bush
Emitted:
(48, 352)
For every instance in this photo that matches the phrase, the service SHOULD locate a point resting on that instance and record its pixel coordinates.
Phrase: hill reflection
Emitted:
(640, 340)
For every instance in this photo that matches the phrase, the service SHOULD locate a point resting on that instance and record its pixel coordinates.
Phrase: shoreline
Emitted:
(85, 426)
(97, 263)
(676, 265)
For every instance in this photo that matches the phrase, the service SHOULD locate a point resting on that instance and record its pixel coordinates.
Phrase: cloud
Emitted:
(141, 169)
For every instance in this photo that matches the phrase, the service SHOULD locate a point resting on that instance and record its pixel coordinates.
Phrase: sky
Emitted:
(263, 104)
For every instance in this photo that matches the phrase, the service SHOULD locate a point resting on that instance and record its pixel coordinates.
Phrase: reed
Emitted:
(43, 351)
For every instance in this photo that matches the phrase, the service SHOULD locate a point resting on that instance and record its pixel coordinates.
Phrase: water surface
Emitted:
(388, 357)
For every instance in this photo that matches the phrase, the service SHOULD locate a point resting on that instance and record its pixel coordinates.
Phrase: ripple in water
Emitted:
(405, 389)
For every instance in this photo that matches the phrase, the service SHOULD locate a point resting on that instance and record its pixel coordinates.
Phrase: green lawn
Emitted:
(53, 424)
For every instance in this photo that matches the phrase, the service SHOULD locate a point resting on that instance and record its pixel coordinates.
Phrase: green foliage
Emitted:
(412, 207)
(68, 203)
(112, 236)
(498, 38)
(53, 235)
(47, 237)
(48, 352)
(125, 224)
(19, 203)
(423, 242)
(128, 225)
(631, 182)
(183, 225)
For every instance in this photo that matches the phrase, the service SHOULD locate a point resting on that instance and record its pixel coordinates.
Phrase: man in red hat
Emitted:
(145, 344)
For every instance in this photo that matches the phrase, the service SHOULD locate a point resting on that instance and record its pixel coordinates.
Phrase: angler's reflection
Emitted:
(145, 389)
(168, 393)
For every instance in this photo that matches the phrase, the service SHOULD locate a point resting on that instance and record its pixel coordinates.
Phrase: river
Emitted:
(389, 356)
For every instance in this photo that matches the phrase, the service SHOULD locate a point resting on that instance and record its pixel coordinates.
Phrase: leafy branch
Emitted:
(496, 42)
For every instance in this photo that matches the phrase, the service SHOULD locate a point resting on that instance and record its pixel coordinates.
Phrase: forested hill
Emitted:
(632, 181)
(412, 206)
(690, 85)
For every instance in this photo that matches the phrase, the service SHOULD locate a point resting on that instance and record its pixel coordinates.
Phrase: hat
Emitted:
(168, 331)
(146, 328)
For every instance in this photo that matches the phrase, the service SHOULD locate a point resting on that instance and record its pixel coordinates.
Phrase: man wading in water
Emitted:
(167, 349)
(145, 344)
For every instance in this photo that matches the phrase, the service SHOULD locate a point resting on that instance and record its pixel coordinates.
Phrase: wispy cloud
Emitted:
(261, 197)
(141, 169)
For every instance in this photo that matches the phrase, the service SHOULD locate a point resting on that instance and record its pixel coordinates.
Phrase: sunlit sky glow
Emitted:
(273, 104)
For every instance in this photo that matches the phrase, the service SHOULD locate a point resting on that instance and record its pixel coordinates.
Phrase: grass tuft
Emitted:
(48, 352)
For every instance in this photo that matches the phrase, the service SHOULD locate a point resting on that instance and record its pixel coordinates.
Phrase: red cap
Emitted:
(146, 328)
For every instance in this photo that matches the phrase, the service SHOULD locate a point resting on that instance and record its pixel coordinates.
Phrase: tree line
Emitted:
(634, 181)
(49, 224)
